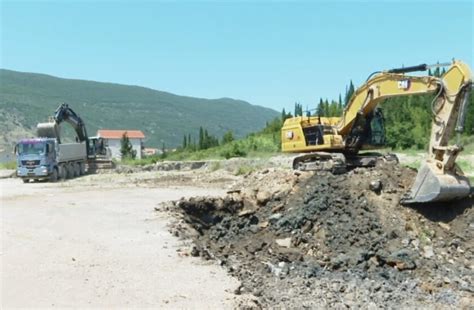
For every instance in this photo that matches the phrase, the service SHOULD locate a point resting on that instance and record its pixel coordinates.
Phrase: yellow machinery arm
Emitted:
(377, 89)
(438, 178)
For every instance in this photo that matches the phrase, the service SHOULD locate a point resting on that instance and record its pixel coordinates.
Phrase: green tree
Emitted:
(469, 125)
(191, 144)
(298, 109)
(163, 151)
(349, 92)
(229, 136)
(320, 109)
(201, 139)
(126, 148)
(185, 142)
(340, 107)
(283, 115)
(326, 108)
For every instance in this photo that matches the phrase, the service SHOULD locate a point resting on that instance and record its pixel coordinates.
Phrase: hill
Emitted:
(29, 98)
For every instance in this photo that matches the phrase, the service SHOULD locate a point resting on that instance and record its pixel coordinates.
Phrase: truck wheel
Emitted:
(82, 168)
(70, 171)
(25, 180)
(77, 170)
(62, 172)
(54, 175)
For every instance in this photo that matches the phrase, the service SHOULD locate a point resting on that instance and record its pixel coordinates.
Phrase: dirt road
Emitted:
(94, 242)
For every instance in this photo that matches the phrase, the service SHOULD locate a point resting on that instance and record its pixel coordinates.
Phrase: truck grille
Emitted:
(30, 163)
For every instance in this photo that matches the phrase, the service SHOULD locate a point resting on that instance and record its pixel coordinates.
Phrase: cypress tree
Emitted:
(349, 93)
(320, 110)
(126, 148)
(201, 139)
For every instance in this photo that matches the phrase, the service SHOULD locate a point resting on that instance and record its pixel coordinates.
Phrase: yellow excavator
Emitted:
(333, 143)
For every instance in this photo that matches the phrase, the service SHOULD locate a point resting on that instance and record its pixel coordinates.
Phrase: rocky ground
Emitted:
(311, 240)
(305, 240)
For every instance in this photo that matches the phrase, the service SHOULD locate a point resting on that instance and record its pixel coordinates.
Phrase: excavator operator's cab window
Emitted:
(376, 134)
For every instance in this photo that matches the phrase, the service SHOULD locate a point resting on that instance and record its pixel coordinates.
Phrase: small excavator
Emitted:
(333, 143)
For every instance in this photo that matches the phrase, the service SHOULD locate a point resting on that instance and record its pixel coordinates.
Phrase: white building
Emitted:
(112, 141)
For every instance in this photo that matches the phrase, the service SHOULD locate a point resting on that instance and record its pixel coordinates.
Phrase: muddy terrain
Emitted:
(305, 240)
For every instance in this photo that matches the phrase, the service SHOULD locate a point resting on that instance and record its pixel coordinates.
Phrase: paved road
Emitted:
(88, 244)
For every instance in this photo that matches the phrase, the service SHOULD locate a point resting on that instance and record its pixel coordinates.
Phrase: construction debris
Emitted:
(323, 240)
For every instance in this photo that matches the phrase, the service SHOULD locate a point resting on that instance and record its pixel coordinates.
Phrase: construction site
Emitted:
(284, 238)
(325, 224)
(203, 201)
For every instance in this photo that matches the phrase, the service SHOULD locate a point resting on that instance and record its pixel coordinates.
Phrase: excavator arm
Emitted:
(452, 88)
(64, 114)
(439, 178)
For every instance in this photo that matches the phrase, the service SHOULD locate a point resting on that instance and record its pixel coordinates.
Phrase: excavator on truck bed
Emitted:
(333, 143)
(98, 155)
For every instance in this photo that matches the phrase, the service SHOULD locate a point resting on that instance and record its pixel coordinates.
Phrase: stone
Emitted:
(375, 186)
(402, 259)
(263, 197)
(415, 243)
(277, 208)
(286, 242)
(246, 212)
(428, 251)
(274, 217)
(194, 251)
(444, 226)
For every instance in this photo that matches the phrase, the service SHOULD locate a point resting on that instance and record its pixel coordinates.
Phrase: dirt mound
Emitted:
(314, 240)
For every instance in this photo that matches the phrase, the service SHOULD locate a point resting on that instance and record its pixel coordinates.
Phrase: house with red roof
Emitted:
(112, 140)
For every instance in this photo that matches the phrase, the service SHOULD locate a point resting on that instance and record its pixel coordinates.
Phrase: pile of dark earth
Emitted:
(335, 240)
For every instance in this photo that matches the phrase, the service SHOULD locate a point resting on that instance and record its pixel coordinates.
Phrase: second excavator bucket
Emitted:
(47, 130)
(432, 185)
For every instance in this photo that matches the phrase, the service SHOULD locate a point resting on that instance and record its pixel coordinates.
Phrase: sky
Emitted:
(268, 53)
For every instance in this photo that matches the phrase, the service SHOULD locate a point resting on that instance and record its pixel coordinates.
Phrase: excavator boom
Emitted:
(439, 178)
(63, 114)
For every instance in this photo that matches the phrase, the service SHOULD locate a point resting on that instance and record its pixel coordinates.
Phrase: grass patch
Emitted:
(261, 145)
(466, 166)
(468, 144)
(215, 166)
(140, 162)
(11, 165)
(244, 169)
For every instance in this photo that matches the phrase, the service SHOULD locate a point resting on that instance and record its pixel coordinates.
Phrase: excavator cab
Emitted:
(376, 134)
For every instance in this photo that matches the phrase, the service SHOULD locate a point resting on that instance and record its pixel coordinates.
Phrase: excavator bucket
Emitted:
(432, 185)
(47, 130)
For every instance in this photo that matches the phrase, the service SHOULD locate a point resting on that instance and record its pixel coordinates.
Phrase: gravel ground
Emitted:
(96, 241)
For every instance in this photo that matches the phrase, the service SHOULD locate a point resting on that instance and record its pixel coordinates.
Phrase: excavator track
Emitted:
(337, 163)
(320, 161)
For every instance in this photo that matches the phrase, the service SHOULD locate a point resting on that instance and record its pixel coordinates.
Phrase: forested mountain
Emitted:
(29, 98)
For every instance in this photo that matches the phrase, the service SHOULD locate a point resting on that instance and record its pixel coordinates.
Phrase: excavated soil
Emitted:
(306, 240)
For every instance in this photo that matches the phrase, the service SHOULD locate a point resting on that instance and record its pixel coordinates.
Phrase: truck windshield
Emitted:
(28, 148)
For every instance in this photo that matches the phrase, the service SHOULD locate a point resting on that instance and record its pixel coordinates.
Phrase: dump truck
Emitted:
(333, 143)
(47, 157)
